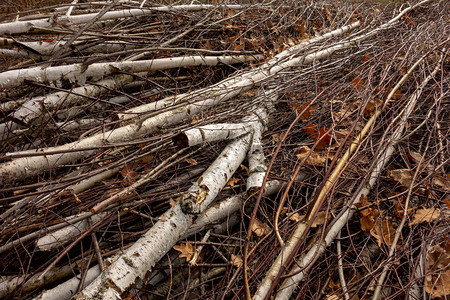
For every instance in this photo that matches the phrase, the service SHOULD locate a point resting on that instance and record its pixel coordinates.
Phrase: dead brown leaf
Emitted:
(233, 180)
(320, 219)
(195, 119)
(186, 249)
(245, 169)
(277, 137)
(296, 217)
(314, 158)
(437, 280)
(402, 176)
(368, 216)
(172, 202)
(236, 260)
(417, 158)
(259, 228)
(442, 181)
(425, 215)
(147, 159)
(129, 176)
(250, 93)
(383, 232)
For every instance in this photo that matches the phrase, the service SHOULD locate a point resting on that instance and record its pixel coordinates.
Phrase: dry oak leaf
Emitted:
(277, 137)
(314, 158)
(236, 260)
(186, 249)
(442, 181)
(259, 228)
(437, 280)
(425, 215)
(245, 169)
(383, 232)
(297, 217)
(402, 176)
(128, 174)
(233, 181)
(320, 219)
(172, 202)
(305, 108)
(369, 215)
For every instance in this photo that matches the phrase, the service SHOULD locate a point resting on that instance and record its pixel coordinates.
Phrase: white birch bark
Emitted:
(46, 49)
(9, 283)
(14, 53)
(35, 108)
(148, 250)
(256, 159)
(201, 194)
(67, 289)
(219, 132)
(28, 166)
(75, 73)
(139, 258)
(64, 235)
(206, 188)
(76, 124)
(204, 98)
(57, 239)
(212, 133)
(26, 26)
(239, 83)
(226, 209)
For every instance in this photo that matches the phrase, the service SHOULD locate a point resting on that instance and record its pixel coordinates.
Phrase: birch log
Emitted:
(213, 215)
(57, 239)
(172, 226)
(201, 100)
(9, 284)
(240, 83)
(75, 73)
(211, 133)
(219, 132)
(26, 26)
(204, 190)
(35, 108)
(46, 49)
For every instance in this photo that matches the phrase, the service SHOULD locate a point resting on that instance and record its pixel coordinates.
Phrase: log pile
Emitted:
(285, 149)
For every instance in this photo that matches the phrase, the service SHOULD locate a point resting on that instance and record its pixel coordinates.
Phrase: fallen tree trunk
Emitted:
(26, 26)
(203, 99)
(79, 74)
(150, 248)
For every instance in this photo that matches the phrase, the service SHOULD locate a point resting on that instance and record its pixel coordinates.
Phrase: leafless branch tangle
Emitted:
(84, 215)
